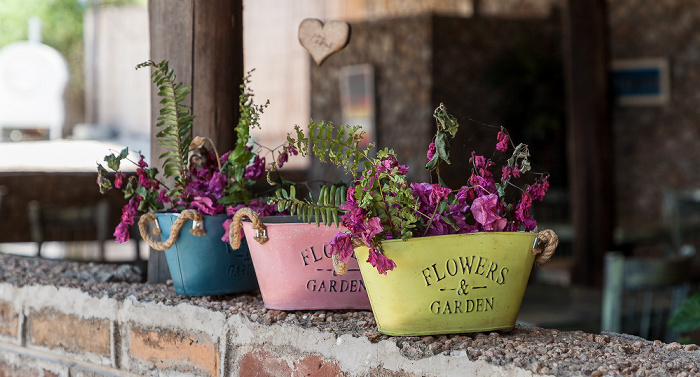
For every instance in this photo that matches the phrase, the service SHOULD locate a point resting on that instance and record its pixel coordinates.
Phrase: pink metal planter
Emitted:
(294, 270)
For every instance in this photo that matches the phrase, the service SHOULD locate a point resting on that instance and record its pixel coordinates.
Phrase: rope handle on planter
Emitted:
(341, 267)
(234, 230)
(545, 244)
(188, 214)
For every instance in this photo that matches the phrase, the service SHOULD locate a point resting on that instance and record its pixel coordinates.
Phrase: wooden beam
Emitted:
(203, 42)
(590, 136)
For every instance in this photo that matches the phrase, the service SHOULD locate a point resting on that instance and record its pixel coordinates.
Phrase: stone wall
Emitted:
(465, 62)
(420, 62)
(401, 53)
(656, 147)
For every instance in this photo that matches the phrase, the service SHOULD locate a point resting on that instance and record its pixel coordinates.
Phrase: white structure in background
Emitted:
(117, 96)
(33, 77)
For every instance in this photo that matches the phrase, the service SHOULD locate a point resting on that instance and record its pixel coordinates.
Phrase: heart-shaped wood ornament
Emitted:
(323, 40)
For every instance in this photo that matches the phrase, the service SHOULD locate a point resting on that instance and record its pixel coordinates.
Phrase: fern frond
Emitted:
(336, 145)
(175, 118)
(323, 211)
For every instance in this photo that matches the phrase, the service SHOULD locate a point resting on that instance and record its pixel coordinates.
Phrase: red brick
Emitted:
(7, 370)
(315, 366)
(69, 332)
(165, 349)
(260, 363)
(9, 319)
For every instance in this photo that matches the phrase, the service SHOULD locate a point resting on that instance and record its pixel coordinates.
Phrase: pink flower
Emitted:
(130, 210)
(485, 211)
(162, 198)
(217, 184)
(503, 139)
(284, 157)
(142, 162)
(373, 227)
(255, 170)
(121, 233)
(227, 225)
(478, 161)
(224, 157)
(509, 172)
(438, 193)
(206, 206)
(341, 244)
(380, 262)
(431, 151)
(539, 189)
(118, 180)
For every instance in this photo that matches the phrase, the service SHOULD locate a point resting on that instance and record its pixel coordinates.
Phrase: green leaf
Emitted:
(687, 317)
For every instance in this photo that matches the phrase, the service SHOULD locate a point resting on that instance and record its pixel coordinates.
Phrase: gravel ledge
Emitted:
(541, 351)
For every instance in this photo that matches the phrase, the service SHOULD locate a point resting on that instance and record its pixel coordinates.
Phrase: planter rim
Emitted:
(287, 219)
(473, 234)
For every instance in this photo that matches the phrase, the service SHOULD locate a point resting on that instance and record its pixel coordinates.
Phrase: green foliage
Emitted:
(336, 145)
(175, 119)
(446, 126)
(687, 317)
(242, 155)
(381, 189)
(325, 209)
(384, 192)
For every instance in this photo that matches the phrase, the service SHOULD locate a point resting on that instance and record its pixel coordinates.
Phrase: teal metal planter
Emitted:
(205, 265)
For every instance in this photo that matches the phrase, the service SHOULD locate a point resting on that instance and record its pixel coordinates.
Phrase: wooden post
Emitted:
(203, 42)
(590, 136)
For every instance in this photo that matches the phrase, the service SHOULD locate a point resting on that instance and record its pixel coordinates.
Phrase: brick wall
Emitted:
(50, 332)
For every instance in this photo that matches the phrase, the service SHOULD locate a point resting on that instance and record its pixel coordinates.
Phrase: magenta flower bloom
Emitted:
(438, 193)
(130, 210)
(255, 170)
(538, 189)
(380, 262)
(485, 211)
(341, 244)
(478, 161)
(431, 151)
(121, 233)
(163, 198)
(142, 162)
(118, 179)
(284, 157)
(205, 205)
(224, 157)
(217, 184)
(373, 227)
(503, 139)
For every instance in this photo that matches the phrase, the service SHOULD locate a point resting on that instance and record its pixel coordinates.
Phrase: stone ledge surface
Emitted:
(152, 331)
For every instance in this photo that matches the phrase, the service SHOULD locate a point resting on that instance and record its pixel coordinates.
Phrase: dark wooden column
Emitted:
(590, 136)
(203, 42)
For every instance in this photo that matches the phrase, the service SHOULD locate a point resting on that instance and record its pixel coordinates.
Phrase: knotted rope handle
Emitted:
(234, 230)
(188, 214)
(341, 267)
(545, 244)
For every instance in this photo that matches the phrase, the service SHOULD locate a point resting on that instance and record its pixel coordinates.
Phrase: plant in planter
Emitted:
(294, 269)
(207, 189)
(459, 259)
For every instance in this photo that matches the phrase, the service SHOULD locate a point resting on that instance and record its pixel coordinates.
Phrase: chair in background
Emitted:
(82, 222)
(639, 294)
